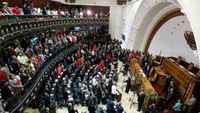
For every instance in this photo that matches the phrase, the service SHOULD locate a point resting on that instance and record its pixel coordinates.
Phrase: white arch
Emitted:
(150, 10)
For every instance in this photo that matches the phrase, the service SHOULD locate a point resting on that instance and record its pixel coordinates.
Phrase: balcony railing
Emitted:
(12, 26)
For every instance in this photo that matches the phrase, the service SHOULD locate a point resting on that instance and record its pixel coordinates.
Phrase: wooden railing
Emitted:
(186, 79)
(137, 72)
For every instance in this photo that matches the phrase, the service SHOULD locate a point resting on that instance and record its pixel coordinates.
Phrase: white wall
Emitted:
(170, 41)
(144, 20)
(115, 25)
(191, 9)
(129, 12)
(121, 21)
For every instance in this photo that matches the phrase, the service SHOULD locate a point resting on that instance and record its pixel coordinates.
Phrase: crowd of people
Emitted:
(22, 58)
(88, 78)
(28, 9)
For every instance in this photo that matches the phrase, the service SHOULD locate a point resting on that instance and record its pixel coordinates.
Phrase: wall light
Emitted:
(81, 13)
(89, 12)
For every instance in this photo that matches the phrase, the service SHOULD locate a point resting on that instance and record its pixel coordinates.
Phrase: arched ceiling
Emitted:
(160, 23)
(151, 11)
(169, 39)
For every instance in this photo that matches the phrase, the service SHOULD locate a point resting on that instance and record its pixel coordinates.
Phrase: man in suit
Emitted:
(141, 97)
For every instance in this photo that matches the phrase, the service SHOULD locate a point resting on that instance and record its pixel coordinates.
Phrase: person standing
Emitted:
(141, 97)
(91, 108)
(152, 108)
(177, 108)
(190, 103)
(128, 84)
(167, 82)
(110, 106)
(119, 108)
(114, 91)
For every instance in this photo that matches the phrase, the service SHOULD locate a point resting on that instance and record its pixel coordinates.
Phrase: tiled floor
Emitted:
(128, 107)
(125, 99)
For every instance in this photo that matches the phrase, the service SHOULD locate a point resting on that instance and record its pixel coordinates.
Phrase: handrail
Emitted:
(10, 19)
(10, 31)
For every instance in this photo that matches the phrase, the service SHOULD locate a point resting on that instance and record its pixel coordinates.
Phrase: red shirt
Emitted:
(3, 76)
(16, 11)
(78, 62)
(59, 70)
(78, 53)
(38, 60)
(101, 66)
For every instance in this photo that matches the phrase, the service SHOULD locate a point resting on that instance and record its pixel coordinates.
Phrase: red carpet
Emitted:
(160, 91)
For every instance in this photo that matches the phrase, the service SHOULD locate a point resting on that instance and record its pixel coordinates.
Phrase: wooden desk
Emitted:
(149, 91)
(137, 71)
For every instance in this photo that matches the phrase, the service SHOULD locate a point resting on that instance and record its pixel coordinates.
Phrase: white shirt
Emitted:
(94, 81)
(114, 90)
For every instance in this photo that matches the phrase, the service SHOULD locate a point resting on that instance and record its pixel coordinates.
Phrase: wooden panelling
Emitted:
(137, 71)
(186, 79)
